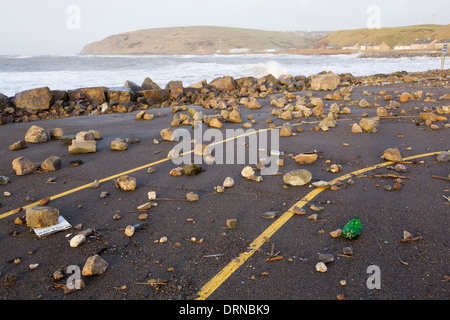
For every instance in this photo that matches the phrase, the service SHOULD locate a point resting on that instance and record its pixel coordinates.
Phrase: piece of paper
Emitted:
(60, 226)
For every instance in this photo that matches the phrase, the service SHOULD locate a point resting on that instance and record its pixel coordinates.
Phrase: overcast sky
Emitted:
(63, 27)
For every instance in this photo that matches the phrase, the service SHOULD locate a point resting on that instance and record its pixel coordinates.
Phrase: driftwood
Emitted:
(442, 178)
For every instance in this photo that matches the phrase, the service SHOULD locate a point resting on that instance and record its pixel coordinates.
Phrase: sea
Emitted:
(20, 72)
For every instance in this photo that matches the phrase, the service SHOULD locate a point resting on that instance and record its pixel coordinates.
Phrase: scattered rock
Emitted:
(36, 134)
(118, 145)
(228, 183)
(85, 136)
(76, 285)
(348, 251)
(235, 116)
(286, 130)
(248, 172)
(328, 123)
(176, 172)
(231, 223)
(77, 240)
(41, 216)
(356, 128)
(4, 180)
(215, 123)
(23, 166)
(335, 168)
(56, 133)
(298, 177)
(369, 124)
(192, 169)
(19, 145)
(52, 163)
(443, 157)
(129, 231)
(407, 235)
(336, 233)
(382, 112)
(191, 196)
(126, 183)
(364, 104)
(151, 195)
(321, 267)
(94, 265)
(306, 158)
(269, 215)
(392, 154)
(166, 134)
(80, 146)
(325, 258)
(97, 134)
(321, 184)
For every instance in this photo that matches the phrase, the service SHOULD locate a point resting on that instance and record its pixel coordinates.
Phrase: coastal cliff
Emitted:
(200, 40)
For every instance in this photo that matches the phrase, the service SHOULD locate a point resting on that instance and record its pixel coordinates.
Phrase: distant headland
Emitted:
(207, 40)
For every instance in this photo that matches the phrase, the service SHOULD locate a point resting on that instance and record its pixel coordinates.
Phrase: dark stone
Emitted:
(148, 84)
(33, 101)
(133, 86)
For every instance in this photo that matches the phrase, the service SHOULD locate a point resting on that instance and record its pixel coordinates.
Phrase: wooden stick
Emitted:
(167, 199)
(442, 178)
(344, 255)
(390, 176)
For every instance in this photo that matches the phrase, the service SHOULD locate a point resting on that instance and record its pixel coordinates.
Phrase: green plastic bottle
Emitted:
(352, 229)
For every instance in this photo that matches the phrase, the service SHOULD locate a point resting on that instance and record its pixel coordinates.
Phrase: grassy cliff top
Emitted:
(198, 40)
(390, 36)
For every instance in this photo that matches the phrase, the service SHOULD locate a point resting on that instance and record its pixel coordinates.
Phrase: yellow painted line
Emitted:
(7, 214)
(228, 270)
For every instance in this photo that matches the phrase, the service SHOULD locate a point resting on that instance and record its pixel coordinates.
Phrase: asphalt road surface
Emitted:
(259, 259)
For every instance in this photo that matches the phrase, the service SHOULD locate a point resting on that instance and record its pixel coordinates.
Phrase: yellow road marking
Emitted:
(228, 270)
(7, 214)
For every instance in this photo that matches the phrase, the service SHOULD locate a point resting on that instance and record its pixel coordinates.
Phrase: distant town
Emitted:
(418, 45)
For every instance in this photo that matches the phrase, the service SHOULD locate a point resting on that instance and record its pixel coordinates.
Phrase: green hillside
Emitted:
(391, 36)
(198, 40)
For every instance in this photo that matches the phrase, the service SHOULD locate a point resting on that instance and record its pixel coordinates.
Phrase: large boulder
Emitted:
(148, 84)
(224, 83)
(33, 101)
(323, 82)
(154, 97)
(133, 86)
(269, 80)
(175, 88)
(4, 102)
(245, 82)
(120, 94)
(95, 95)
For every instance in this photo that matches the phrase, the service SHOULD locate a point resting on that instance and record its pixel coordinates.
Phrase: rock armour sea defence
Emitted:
(222, 92)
